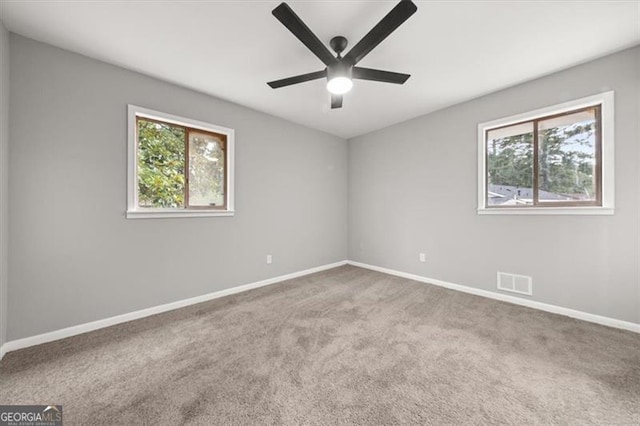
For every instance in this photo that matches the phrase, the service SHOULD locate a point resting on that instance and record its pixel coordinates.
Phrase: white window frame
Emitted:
(606, 102)
(134, 211)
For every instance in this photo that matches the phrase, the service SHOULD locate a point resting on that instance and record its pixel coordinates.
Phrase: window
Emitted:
(556, 160)
(178, 167)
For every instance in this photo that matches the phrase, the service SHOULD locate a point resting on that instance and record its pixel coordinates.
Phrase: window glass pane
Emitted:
(206, 170)
(567, 157)
(510, 165)
(161, 164)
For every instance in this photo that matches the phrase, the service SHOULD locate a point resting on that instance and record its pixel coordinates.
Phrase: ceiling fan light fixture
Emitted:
(339, 79)
(339, 85)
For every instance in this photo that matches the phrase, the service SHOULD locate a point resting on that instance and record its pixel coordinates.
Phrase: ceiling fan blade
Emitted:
(379, 75)
(299, 29)
(297, 79)
(336, 101)
(386, 26)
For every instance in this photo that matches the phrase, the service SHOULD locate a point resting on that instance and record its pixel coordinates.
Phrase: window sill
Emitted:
(576, 211)
(162, 214)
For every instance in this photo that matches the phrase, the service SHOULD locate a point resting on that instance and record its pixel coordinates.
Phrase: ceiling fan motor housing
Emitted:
(339, 69)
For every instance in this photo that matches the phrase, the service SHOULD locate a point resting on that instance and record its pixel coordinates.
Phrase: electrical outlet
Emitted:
(269, 259)
(423, 257)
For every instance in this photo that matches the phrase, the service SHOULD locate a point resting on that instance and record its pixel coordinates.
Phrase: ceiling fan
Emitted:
(340, 70)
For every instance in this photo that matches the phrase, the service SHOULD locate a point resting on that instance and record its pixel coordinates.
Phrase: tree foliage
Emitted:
(566, 158)
(511, 161)
(567, 168)
(206, 170)
(161, 164)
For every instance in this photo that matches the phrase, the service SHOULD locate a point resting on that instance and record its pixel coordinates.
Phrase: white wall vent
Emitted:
(514, 283)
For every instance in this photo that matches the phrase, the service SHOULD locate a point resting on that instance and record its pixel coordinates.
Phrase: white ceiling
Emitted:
(454, 50)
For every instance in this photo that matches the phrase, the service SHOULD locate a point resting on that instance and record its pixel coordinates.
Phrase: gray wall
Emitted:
(412, 188)
(74, 256)
(4, 173)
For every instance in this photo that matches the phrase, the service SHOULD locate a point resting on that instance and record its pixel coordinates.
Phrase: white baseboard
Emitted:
(95, 325)
(585, 316)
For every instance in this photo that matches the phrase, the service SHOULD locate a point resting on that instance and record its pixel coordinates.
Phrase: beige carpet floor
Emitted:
(344, 346)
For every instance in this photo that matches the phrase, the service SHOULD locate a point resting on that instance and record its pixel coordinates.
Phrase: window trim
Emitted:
(133, 210)
(606, 167)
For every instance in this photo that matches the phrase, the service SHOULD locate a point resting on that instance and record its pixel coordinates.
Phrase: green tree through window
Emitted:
(161, 164)
(567, 154)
